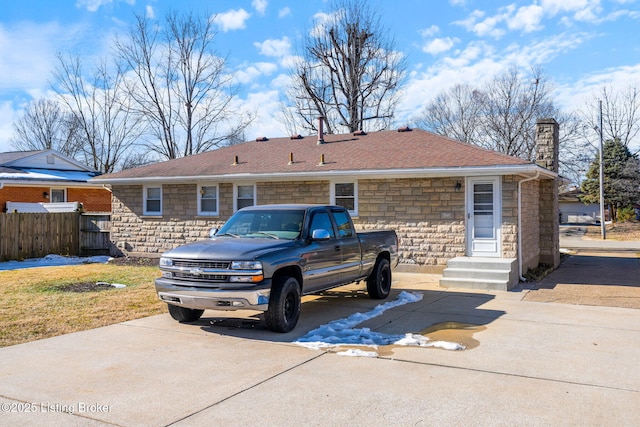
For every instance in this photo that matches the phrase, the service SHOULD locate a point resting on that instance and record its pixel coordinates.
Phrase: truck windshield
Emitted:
(270, 224)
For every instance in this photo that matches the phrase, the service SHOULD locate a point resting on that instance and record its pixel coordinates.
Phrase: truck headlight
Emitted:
(246, 265)
(252, 272)
(246, 279)
(165, 262)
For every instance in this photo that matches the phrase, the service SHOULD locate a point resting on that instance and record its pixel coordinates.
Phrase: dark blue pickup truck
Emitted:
(266, 257)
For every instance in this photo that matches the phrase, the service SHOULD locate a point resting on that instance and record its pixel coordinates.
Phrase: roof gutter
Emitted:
(536, 176)
(44, 183)
(463, 171)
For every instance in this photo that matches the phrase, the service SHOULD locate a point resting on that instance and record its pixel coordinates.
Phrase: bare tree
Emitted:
(620, 116)
(456, 113)
(514, 102)
(108, 130)
(46, 125)
(179, 85)
(349, 72)
(500, 115)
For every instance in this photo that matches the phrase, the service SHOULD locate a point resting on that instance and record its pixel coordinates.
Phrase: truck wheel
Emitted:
(182, 314)
(379, 281)
(284, 305)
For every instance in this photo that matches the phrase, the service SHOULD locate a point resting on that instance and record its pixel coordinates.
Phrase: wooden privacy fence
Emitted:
(95, 237)
(34, 235)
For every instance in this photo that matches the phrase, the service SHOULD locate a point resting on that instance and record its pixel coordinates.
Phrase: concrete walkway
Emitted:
(527, 363)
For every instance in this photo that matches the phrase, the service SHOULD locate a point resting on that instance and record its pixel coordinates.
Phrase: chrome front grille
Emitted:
(222, 265)
(201, 277)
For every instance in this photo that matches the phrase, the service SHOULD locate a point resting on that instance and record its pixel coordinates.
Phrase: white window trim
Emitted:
(217, 208)
(144, 201)
(52, 189)
(353, 212)
(235, 194)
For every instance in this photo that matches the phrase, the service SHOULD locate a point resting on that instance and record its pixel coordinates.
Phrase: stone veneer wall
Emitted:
(509, 230)
(530, 225)
(293, 192)
(131, 231)
(427, 214)
(549, 223)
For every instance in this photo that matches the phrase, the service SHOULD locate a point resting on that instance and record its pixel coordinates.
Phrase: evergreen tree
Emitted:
(621, 178)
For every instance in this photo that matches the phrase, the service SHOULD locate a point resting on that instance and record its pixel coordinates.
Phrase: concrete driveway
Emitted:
(528, 363)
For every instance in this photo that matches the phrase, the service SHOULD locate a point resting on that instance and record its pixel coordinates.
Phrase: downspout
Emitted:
(536, 176)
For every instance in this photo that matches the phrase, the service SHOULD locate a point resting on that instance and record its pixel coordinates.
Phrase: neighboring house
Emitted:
(451, 203)
(573, 211)
(38, 181)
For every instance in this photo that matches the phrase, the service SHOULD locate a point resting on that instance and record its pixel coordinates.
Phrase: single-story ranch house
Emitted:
(452, 204)
(49, 181)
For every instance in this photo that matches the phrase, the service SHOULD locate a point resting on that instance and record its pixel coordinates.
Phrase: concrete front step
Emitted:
(476, 273)
(481, 273)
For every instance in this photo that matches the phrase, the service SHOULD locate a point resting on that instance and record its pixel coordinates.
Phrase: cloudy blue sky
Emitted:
(581, 44)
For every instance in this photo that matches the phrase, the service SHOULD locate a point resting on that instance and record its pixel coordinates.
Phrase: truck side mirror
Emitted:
(320, 234)
(213, 232)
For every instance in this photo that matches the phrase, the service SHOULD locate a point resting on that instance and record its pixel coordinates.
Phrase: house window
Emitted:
(345, 194)
(208, 200)
(153, 200)
(245, 195)
(57, 195)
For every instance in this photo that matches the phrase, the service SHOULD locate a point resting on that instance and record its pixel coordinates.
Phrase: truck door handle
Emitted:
(337, 248)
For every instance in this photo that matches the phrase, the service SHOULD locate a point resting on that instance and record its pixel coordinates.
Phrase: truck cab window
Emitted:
(321, 221)
(343, 223)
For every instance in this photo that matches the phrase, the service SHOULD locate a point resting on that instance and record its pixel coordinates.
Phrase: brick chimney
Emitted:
(547, 144)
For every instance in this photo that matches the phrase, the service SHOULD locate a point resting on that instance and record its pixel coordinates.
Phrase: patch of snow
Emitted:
(53, 261)
(343, 332)
(357, 353)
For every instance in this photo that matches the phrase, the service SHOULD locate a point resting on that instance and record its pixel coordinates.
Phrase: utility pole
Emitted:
(601, 151)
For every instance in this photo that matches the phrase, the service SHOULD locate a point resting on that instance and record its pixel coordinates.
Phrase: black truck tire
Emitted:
(183, 314)
(284, 305)
(379, 281)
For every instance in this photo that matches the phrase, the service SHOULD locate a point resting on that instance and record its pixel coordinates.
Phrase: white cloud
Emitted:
(94, 5)
(583, 10)
(277, 48)
(574, 95)
(527, 19)
(530, 18)
(267, 107)
(28, 53)
(150, 13)
(429, 32)
(285, 11)
(232, 20)
(250, 73)
(7, 116)
(437, 46)
(260, 6)
(321, 19)
(483, 27)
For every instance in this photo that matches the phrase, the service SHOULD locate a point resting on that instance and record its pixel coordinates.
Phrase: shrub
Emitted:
(626, 214)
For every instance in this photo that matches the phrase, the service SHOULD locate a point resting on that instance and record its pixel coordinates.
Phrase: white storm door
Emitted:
(483, 216)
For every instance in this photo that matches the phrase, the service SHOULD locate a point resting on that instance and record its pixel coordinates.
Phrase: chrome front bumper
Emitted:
(213, 299)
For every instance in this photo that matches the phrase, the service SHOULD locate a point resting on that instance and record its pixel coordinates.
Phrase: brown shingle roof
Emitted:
(385, 150)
